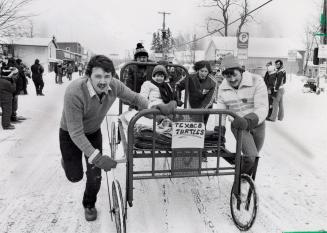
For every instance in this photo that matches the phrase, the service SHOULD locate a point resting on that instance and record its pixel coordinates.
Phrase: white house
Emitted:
(29, 49)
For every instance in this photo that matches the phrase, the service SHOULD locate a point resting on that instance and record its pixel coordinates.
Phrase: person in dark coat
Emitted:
(201, 87)
(278, 106)
(138, 74)
(70, 70)
(37, 72)
(7, 89)
(270, 81)
(56, 72)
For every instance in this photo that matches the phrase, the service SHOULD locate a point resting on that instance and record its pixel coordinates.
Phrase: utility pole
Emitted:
(194, 47)
(164, 35)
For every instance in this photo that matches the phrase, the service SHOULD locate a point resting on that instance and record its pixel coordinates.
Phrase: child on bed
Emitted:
(157, 90)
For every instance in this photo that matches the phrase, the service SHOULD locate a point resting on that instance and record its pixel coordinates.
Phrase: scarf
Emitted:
(165, 91)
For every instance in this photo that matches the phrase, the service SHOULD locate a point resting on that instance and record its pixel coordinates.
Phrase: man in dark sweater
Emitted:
(86, 103)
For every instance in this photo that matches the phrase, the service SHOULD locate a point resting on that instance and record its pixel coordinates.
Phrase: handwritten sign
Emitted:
(188, 135)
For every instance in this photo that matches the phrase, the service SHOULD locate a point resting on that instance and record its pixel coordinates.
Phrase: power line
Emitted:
(211, 33)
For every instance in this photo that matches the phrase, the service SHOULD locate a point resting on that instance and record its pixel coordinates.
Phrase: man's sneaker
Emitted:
(90, 213)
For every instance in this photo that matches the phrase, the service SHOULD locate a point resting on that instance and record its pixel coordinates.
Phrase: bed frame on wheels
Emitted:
(243, 200)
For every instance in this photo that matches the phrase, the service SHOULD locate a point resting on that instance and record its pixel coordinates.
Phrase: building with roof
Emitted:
(29, 49)
(70, 52)
(260, 51)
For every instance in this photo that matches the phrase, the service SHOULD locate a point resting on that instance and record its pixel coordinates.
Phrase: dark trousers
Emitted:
(56, 77)
(14, 106)
(72, 157)
(39, 84)
(25, 81)
(6, 105)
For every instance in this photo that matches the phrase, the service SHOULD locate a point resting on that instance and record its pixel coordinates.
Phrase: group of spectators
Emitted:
(13, 82)
(67, 70)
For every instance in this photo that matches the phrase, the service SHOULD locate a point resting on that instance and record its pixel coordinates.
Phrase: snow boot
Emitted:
(90, 213)
(9, 127)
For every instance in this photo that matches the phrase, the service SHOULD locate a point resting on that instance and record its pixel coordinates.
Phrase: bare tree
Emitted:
(11, 14)
(24, 29)
(224, 9)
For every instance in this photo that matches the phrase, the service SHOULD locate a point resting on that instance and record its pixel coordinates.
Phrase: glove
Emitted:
(252, 120)
(240, 123)
(166, 109)
(179, 103)
(104, 162)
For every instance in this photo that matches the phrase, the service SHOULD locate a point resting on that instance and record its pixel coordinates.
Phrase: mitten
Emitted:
(240, 123)
(166, 109)
(104, 162)
(252, 120)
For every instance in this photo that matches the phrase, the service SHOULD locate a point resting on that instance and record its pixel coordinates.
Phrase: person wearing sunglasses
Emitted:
(246, 95)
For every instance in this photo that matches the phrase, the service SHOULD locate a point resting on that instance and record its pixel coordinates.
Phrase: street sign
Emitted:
(322, 51)
(242, 54)
(243, 40)
(292, 54)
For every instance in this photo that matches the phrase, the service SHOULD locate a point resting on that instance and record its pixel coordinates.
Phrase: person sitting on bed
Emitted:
(157, 91)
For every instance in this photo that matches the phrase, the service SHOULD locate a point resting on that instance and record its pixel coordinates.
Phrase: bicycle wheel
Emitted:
(113, 140)
(244, 207)
(118, 207)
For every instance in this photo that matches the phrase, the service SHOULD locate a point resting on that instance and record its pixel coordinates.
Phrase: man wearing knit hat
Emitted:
(138, 74)
(246, 94)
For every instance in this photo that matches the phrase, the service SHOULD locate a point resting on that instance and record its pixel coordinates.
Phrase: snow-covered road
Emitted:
(291, 181)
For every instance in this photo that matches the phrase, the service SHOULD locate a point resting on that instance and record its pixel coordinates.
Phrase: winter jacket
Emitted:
(20, 79)
(70, 69)
(7, 88)
(201, 92)
(138, 74)
(281, 78)
(37, 71)
(270, 79)
(250, 97)
(151, 92)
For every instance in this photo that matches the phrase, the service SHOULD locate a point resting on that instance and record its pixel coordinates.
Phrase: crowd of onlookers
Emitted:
(14, 78)
(67, 70)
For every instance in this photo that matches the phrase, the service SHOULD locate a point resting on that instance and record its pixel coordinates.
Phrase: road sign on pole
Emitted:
(242, 54)
(242, 45)
(242, 40)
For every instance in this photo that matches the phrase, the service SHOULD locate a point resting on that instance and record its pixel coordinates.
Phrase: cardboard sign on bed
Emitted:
(188, 135)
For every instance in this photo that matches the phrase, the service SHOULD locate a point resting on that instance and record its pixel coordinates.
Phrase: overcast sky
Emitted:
(115, 26)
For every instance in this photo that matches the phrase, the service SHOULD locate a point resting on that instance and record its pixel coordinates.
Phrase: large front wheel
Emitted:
(244, 207)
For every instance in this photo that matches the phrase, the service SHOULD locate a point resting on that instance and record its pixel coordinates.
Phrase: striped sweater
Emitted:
(251, 96)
